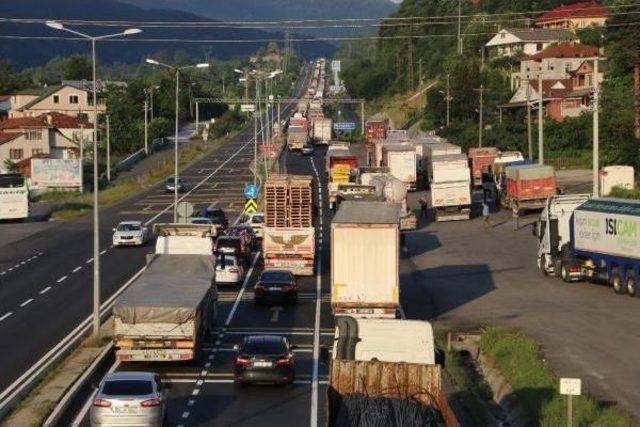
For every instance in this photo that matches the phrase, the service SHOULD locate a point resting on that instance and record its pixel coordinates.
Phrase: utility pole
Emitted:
(480, 115)
(146, 129)
(540, 121)
(482, 58)
(255, 144)
(108, 150)
(529, 130)
(448, 100)
(197, 118)
(459, 27)
(362, 118)
(420, 81)
(246, 84)
(596, 130)
(82, 157)
(151, 98)
(410, 66)
(636, 73)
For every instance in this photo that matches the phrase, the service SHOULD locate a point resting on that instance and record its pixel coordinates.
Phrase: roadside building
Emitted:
(527, 41)
(574, 16)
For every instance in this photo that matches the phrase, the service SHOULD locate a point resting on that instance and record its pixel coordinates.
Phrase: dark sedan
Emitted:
(277, 286)
(264, 359)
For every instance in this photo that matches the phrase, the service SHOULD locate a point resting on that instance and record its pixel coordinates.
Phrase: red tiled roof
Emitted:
(58, 120)
(549, 92)
(8, 137)
(590, 9)
(566, 50)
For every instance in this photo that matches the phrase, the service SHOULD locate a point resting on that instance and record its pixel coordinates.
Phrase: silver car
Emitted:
(132, 233)
(129, 399)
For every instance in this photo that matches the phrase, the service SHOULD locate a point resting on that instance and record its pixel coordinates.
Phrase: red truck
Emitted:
(529, 186)
(376, 129)
(481, 159)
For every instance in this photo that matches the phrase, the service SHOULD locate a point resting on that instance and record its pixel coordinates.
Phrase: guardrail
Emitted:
(127, 163)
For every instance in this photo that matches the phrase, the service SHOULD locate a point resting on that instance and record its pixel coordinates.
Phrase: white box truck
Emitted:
(166, 313)
(450, 195)
(401, 161)
(365, 239)
(322, 131)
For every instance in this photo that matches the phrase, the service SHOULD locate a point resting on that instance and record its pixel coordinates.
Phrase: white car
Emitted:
(130, 233)
(229, 270)
(255, 221)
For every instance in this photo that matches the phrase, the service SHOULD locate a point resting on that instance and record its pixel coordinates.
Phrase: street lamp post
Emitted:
(96, 218)
(177, 70)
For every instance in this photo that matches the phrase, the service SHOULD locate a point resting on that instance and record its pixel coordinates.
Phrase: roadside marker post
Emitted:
(570, 387)
(250, 206)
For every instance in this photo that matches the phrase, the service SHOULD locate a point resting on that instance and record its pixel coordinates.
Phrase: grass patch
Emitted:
(569, 159)
(471, 394)
(69, 205)
(520, 361)
(623, 193)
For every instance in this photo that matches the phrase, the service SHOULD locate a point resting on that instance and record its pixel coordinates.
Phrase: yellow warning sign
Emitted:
(250, 206)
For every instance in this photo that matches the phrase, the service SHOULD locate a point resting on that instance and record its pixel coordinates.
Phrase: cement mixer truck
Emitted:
(391, 189)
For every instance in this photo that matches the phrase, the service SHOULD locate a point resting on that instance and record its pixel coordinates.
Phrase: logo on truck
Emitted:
(621, 227)
(291, 242)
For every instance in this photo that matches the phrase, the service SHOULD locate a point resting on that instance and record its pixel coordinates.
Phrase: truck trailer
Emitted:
(450, 187)
(365, 239)
(603, 244)
(528, 187)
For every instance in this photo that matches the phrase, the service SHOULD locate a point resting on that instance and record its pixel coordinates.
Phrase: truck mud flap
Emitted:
(347, 337)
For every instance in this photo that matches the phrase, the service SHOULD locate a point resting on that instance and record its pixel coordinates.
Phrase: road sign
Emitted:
(251, 191)
(335, 65)
(185, 209)
(250, 206)
(247, 108)
(570, 386)
(344, 126)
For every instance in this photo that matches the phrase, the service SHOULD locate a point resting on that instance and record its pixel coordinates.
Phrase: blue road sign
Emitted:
(344, 126)
(251, 191)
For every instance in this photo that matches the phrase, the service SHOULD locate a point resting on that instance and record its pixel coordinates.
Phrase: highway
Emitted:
(203, 393)
(46, 279)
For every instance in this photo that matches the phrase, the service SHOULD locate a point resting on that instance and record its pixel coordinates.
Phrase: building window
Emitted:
(567, 67)
(56, 99)
(36, 151)
(73, 99)
(83, 117)
(589, 80)
(16, 153)
(538, 47)
(33, 135)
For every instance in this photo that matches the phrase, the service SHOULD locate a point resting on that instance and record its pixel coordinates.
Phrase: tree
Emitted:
(78, 67)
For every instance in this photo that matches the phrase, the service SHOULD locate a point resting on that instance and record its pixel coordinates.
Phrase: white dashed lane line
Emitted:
(26, 302)
(75, 270)
(21, 263)
(62, 279)
(45, 290)
(4, 316)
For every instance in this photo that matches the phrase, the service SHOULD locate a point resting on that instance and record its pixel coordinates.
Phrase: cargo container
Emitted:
(529, 187)
(401, 161)
(289, 234)
(616, 176)
(481, 159)
(603, 244)
(438, 149)
(450, 195)
(365, 238)
(376, 360)
(296, 137)
(375, 129)
(341, 165)
(322, 131)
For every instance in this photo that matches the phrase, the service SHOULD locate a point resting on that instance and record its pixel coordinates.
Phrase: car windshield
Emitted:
(128, 227)
(127, 388)
(258, 219)
(228, 243)
(276, 277)
(261, 346)
(170, 180)
(228, 262)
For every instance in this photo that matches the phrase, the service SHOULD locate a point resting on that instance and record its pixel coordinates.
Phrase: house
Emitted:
(561, 98)
(64, 99)
(555, 62)
(52, 135)
(574, 16)
(5, 106)
(528, 41)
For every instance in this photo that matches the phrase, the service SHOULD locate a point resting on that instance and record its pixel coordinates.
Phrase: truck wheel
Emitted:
(632, 290)
(541, 265)
(564, 274)
(616, 282)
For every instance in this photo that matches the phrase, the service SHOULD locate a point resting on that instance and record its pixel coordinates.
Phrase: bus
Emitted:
(14, 197)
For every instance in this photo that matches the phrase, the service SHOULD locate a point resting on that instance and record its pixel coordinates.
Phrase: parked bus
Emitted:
(14, 196)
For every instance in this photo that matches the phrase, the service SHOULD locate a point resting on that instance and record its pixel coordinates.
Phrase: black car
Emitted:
(275, 285)
(217, 216)
(264, 358)
(170, 185)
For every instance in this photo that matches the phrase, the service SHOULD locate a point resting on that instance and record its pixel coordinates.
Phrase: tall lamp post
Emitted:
(96, 219)
(175, 144)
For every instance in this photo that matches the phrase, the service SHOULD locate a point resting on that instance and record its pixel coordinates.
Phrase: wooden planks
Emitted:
(289, 201)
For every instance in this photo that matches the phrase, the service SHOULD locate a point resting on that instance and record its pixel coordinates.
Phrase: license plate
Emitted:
(360, 311)
(125, 410)
(263, 364)
(274, 288)
(153, 354)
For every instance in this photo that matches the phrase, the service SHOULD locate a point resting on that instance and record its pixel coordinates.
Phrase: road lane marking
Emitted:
(62, 279)
(27, 302)
(185, 414)
(75, 270)
(103, 252)
(6, 315)
(45, 290)
(89, 261)
(275, 313)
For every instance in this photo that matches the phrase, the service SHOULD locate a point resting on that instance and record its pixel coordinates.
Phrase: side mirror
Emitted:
(325, 354)
(440, 357)
(236, 347)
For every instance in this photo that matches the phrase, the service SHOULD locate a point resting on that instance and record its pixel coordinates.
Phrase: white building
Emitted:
(527, 41)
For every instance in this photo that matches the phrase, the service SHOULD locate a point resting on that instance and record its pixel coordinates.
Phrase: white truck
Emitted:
(322, 131)
(166, 313)
(401, 161)
(290, 248)
(365, 239)
(438, 149)
(450, 195)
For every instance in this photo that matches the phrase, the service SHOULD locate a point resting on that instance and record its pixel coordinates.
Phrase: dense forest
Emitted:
(390, 65)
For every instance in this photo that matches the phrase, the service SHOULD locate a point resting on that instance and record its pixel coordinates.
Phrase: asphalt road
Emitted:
(46, 279)
(463, 276)
(203, 393)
